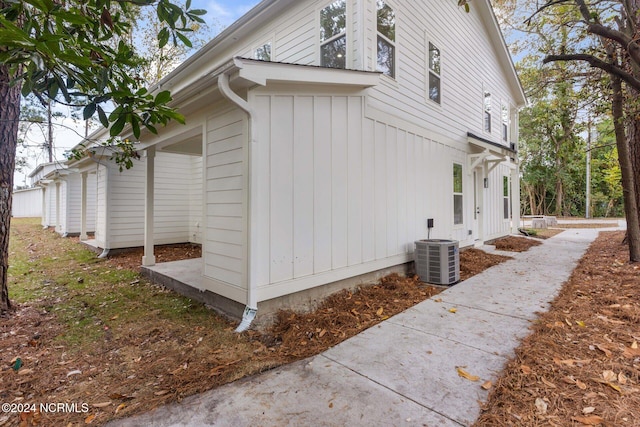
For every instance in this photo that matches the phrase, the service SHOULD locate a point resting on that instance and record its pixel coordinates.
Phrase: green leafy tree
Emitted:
(609, 40)
(77, 50)
(603, 38)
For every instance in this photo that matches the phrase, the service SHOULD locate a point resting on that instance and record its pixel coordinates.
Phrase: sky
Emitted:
(220, 14)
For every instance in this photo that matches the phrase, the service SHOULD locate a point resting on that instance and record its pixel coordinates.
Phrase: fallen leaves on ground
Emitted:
(582, 357)
(138, 363)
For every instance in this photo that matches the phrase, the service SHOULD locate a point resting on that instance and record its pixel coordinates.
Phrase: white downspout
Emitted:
(251, 309)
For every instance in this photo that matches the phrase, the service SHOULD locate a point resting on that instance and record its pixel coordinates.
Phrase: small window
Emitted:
(333, 35)
(386, 18)
(487, 111)
(505, 195)
(457, 194)
(263, 53)
(434, 73)
(505, 123)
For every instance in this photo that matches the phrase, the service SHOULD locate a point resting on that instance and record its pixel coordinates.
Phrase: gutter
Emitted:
(251, 308)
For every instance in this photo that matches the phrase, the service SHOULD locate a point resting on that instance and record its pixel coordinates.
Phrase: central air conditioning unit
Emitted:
(438, 261)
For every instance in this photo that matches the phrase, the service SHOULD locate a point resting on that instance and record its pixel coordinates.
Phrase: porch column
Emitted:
(57, 226)
(83, 207)
(44, 219)
(149, 258)
(515, 199)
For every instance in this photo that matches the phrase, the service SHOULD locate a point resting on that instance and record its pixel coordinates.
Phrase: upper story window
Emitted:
(263, 53)
(434, 73)
(505, 123)
(386, 18)
(333, 35)
(487, 111)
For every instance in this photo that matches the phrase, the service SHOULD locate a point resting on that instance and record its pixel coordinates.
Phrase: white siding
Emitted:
(125, 200)
(469, 60)
(469, 63)
(72, 201)
(195, 201)
(73, 193)
(50, 219)
(27, 203)
(101, 206)
(174, 199)
(225, 186)
(63, 219)
(342, 193)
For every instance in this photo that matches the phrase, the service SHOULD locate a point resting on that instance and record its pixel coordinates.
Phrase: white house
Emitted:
(323, 135)
(27, 203)
(48, 193)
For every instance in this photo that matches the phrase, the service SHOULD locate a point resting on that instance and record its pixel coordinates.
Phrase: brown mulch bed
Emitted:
(131, 258)
(474, 261)
(515, 244)
(581, 364)
(134, 366)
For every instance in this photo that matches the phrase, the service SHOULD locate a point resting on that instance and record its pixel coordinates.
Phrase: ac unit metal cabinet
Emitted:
(438, 261)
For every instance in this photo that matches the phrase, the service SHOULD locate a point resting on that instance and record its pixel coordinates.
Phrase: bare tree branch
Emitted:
(627, 43)
(597, 63)
(550, 3)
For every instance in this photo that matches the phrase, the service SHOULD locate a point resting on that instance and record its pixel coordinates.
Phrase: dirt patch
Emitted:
(581, 364)
(115, 349)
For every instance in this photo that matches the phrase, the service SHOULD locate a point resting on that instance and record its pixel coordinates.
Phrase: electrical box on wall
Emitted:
(430, 223)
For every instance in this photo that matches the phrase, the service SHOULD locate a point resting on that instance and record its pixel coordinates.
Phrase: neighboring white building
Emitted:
(321, 137)
(27, 203)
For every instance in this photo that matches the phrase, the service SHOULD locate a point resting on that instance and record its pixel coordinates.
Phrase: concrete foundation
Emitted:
(185, 277)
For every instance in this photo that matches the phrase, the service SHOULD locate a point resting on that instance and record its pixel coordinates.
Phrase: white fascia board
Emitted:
(498, 41)
(262, 72)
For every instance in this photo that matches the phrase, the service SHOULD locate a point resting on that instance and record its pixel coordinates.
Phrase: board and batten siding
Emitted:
(340, 194)
(27, 203)
(225, 234)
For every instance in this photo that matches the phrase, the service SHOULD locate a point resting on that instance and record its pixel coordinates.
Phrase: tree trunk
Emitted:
(9, 114)
(626, 168)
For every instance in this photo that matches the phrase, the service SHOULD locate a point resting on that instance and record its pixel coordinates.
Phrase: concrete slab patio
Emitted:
(402, 372)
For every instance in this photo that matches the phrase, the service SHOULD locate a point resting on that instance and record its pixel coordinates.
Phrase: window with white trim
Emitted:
(458, 214)
(434, 73)
(505, 197)
(333, 35)
(263, 53)
(487, 111)
(386, 29)
(505, 123)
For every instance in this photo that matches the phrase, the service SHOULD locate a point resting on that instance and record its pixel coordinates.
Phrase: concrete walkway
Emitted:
(401, 372)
